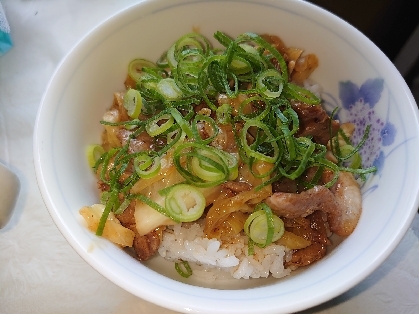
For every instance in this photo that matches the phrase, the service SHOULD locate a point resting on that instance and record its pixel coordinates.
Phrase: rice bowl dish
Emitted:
(366, 88)
(230, 140)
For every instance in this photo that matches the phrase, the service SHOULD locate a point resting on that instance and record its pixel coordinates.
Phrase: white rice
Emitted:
(207, 256)
(313, 87)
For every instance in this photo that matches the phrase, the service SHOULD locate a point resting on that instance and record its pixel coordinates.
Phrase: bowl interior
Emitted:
(354, 75)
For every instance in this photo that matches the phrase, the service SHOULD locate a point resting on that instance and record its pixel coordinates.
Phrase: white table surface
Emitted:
(39, 271)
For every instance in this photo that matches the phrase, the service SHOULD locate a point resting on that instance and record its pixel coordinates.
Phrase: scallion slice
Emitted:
(260, 114)
(349, 154)
(113, 198)
(159, 124)
(133, 103)
(270, 83)
(184, 125)
(263, 227)
(147, 166)
(204, 166)
(252, 151)
(183, 268)
(136, 68)
(223, 114)
(210, 123)
(185, 203)
(168, 89)
(296, 92)
(93, 154)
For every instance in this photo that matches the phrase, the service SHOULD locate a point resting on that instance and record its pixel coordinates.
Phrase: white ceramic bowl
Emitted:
(354, 74)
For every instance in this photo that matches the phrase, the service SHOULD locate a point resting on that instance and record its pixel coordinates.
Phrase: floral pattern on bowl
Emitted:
(358, 105)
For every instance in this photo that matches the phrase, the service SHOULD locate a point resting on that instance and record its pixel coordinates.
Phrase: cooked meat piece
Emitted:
(285, 185)
(342, 203)
(237, 187)
(296, 222)
(314, 121)
(127, 218)
(203, 109)
(147, 245)
(348, 195)
(308, 255)
(204, 130)
(144, 246)
(293, 205)
(276, 42)
(312, 228)
(318, 223)
(102, 186)
(225, 139)
(143, 142)
(297, 186)
(118, 103)
(303, 67)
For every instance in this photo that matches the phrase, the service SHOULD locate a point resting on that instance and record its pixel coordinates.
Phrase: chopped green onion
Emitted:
(232, 164)
(255, 115)
(185, 203)
(132, 124)
(147, 166)
(162, 210)
(267, 80)
(249, 49)
(175, 136)
(136, 66)
(252, 151)
(306, 148)
(168, 89)
(299, 93)
(104, 161)
(184, 125)
(93, 153)
(133, 103)
(113, 198)
(267, 46)
(263, 227)
(154, 126)
(104, 197)
(189, 41)
(349, 154)
(223, 114)
(204, 166)
(183, 268)
(240, 65)
(210, 123)
(124, 205)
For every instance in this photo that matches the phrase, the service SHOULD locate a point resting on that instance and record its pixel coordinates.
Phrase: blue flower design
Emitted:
(369, 93)
(379, 161)
(348, 94)
(359, 102)
(388, 133)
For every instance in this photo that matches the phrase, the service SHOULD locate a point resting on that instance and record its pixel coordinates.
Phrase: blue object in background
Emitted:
(5, 39)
